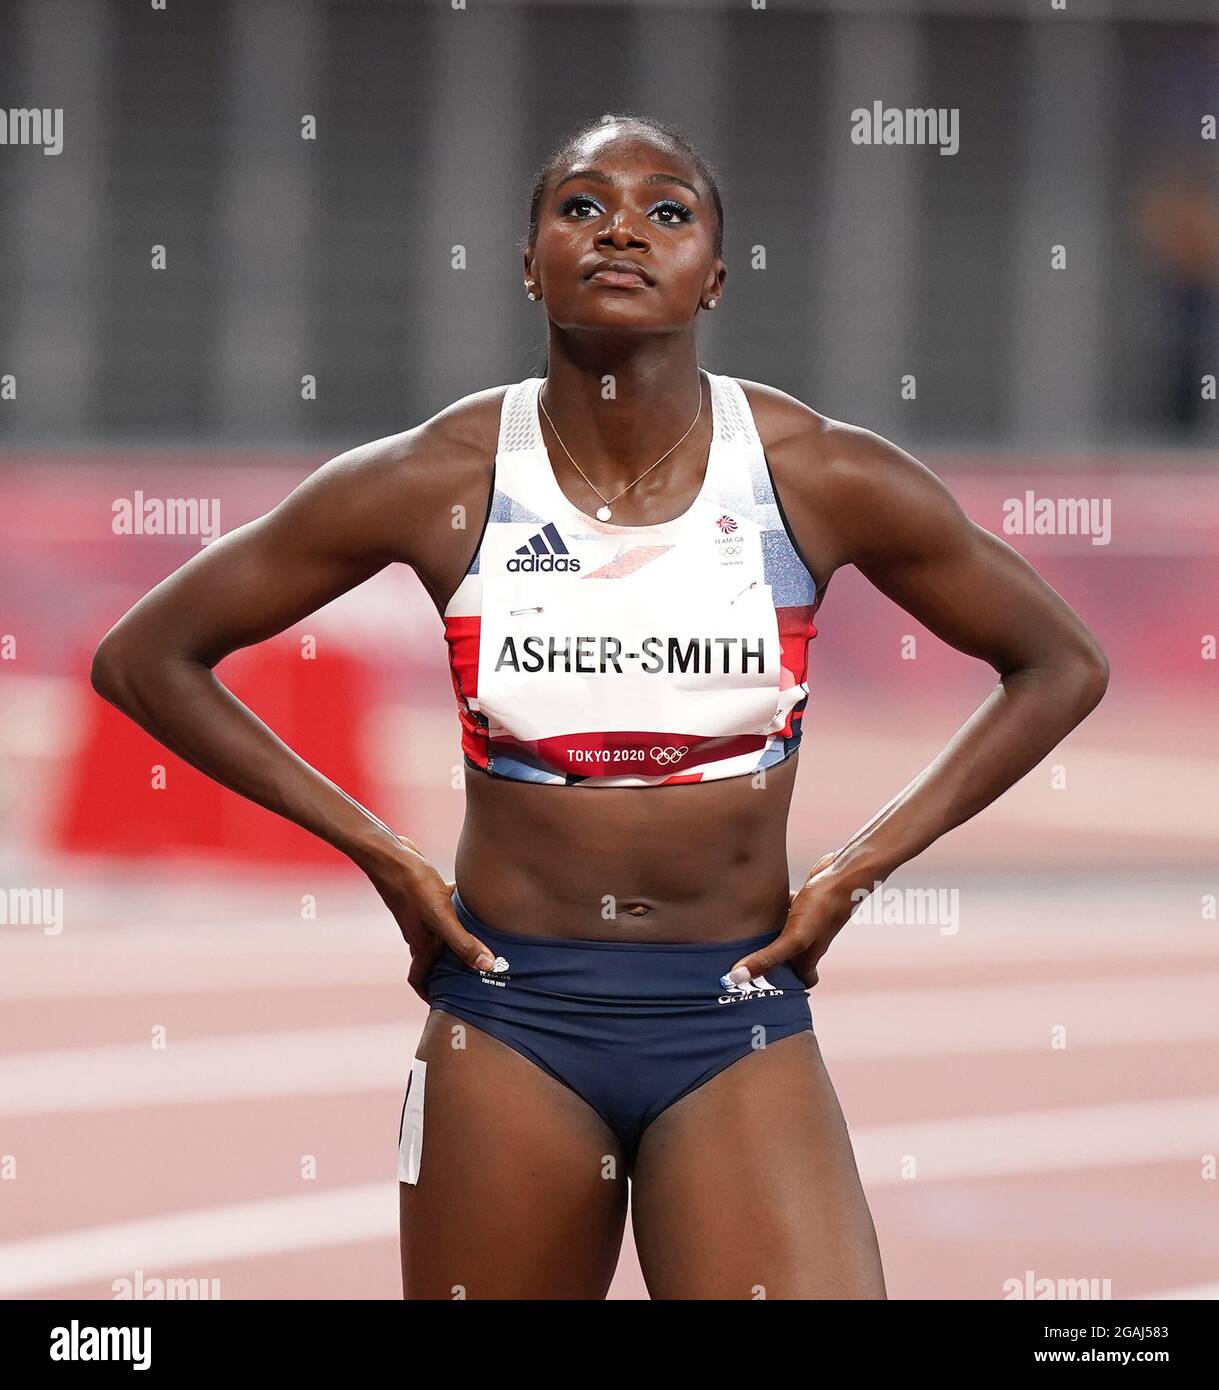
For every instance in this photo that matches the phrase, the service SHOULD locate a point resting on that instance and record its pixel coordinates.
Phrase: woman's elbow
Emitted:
(1091, 671)
(1075, 676)
(122, 663)
(108, 671)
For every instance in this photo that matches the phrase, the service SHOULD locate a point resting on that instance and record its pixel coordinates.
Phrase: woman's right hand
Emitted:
(421, 902)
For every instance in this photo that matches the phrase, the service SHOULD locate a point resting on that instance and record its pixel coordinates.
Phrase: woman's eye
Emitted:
(569, 205)
(670, 211)
(677, 211)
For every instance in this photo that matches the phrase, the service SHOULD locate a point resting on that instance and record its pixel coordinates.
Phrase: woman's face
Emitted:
(625, 197)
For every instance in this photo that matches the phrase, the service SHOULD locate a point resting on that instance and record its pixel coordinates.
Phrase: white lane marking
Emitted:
(1029, 1142)
(198, 957)
(1041, 1141)
(1198, 1292)
(1021, 1017)
(185, 1240)
(1157, 796)
(298, 1062)
(863, 1025)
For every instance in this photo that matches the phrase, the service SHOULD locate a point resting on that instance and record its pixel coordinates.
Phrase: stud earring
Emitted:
(711, 303)
(531, 293)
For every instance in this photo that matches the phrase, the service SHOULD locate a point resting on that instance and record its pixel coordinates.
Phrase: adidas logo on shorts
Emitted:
(543, 553)
(759, 985)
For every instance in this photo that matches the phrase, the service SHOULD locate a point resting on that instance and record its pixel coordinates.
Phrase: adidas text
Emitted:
(542, 564)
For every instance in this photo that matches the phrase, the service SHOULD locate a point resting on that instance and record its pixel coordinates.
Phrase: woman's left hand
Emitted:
(817, 913)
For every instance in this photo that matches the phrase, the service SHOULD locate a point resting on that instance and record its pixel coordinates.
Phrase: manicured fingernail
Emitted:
(484, 962)
(740, 975)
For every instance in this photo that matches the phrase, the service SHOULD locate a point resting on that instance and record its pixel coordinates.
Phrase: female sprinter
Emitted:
(618, 981)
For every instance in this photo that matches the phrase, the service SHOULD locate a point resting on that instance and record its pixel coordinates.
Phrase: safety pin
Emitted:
(512, 612)
(745, 590)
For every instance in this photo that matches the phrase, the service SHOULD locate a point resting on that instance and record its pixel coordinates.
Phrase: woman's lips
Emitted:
(626, 279)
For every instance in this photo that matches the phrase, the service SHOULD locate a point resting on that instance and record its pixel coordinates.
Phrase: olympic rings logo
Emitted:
(667, 755)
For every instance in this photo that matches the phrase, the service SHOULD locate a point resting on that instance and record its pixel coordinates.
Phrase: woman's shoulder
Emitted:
(842, 485)
(777, 415)
(422, 473)
(801, 441)
(463, 434)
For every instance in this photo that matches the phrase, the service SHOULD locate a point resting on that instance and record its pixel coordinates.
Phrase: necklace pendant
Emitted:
(603, 513)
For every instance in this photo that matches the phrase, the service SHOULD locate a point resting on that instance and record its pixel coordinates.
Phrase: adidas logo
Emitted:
(543, 553)
(759, 985)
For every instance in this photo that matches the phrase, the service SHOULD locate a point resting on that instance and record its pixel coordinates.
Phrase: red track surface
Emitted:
(1036, 1090)
(286, 1039)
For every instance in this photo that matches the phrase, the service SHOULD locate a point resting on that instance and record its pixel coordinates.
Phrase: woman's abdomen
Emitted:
(694, 862)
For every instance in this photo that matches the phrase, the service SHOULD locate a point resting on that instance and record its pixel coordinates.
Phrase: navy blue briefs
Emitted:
(631, 1027)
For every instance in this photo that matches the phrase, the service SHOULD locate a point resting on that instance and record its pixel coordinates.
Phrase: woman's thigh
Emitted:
(521, 1189)
(747, 1187)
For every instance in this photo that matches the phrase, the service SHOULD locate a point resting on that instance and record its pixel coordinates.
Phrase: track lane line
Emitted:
(1005, 1145)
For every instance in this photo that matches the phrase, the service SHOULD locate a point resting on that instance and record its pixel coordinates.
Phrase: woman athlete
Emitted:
(627, 556)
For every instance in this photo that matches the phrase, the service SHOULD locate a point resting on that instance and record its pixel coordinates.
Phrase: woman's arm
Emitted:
(898, 524)
(343, 524)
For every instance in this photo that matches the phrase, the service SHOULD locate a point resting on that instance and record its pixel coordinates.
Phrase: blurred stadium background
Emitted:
(205, 1026)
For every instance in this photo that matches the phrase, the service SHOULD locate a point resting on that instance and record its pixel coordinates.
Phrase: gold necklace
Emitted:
(603, 511)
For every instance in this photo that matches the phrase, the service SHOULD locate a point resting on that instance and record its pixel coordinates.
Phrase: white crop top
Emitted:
(584, 653)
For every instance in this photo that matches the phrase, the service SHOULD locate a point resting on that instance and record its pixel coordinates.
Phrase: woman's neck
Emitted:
(618, 413)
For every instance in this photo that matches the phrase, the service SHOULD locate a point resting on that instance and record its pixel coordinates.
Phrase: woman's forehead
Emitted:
(628, 142)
